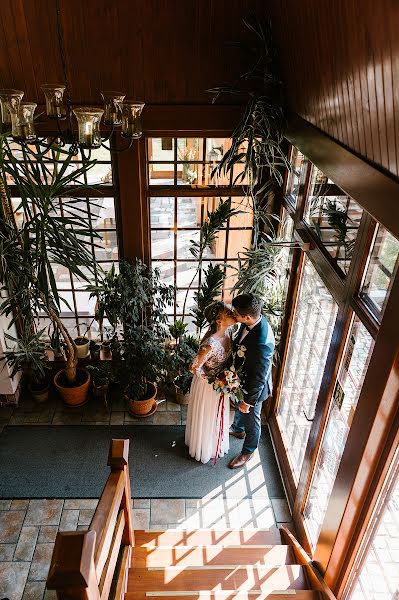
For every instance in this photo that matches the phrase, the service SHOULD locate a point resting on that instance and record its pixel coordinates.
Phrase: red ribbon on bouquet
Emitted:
(220, 414)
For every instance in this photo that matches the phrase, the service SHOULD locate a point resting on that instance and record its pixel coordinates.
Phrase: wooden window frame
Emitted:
(367, 186)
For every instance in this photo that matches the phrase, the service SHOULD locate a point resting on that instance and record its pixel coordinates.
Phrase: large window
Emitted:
(298, 164)
(376, 574)
(313, 324)
(176, 217)
(359, 346)
(334, 217)
(380, 270)
(97, 207)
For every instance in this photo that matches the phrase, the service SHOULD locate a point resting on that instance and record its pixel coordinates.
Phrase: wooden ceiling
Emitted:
(161, 51)
(340, 58)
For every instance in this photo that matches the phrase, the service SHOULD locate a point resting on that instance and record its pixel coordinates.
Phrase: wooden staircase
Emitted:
(220, 565)
(110, 560)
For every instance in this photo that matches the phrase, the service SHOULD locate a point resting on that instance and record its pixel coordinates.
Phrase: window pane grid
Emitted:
(314, 319)
(380, 271)
(99, 212)
(334, 217)
(359, 346)
(176, 221)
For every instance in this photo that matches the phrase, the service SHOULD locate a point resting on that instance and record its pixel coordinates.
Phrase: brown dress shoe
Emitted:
(240, 461)
(238, 434)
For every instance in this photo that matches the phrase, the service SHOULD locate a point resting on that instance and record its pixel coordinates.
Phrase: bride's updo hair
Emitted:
(212, 313)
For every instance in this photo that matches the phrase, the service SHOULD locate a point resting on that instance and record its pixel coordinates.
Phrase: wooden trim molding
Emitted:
(377, 406)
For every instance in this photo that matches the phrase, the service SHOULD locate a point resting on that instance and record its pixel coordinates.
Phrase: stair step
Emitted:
(236, 579)
(275, 595)
(208, 537)
(197, 556)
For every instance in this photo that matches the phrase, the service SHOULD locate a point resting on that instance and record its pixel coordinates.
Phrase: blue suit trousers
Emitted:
(250, 424)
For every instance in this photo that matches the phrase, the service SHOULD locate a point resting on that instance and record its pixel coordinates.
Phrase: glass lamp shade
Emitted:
(113, 107)
(131, 120)
(89, 126)
(54, 93)
(9, 101)
(23, 126)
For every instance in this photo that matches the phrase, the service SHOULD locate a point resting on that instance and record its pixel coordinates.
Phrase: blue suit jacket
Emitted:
(256, 365)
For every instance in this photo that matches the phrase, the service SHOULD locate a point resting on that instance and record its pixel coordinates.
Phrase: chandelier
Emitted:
(116, 113)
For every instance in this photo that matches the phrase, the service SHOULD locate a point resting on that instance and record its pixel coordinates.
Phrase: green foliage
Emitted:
(139, 302)
(209, 290)
(178, 329)
(103, 373)
(257, 139)
(177, 362)
(216, 220)
(262, 271)
(214, 223)
(108, 297)
(28, 355)
(46, 237)
(338, 220)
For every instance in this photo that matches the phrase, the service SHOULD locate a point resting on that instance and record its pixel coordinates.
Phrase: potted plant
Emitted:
(136, 300)
(57, 344)
(29, 356)
(95, 348)
(102, 375)
(82, 344)
(46, 237)
(185, 352)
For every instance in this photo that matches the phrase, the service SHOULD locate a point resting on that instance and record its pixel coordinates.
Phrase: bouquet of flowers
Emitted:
(228, 383)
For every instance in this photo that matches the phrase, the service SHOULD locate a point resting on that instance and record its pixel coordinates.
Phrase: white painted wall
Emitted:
(7, 385)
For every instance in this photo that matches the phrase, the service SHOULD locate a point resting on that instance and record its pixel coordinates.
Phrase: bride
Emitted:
(203, 420)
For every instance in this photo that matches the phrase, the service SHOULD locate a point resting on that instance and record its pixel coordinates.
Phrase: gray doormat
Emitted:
(70, 462)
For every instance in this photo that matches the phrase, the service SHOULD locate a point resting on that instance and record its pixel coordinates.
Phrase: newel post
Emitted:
(118, 460)
(72, 572)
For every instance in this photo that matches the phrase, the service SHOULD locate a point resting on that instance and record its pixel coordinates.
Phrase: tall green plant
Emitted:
(209, 290)
(47, 237)
(135, 300)
(215, 221)
(256, 151)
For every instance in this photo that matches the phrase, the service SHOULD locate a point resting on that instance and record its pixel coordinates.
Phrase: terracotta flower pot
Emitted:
(146, 405)
(73, 396)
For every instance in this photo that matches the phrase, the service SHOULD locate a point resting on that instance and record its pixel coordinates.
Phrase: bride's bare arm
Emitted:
(199, 360)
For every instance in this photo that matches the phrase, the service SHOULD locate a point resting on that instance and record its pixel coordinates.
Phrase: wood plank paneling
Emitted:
(163, 51)
(340, 63)
(340, 60)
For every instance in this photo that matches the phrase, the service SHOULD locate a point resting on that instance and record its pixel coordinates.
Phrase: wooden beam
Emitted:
(376, 191)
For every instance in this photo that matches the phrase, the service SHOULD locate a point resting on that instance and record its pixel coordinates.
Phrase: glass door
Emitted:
(313, 325)
(358, 350)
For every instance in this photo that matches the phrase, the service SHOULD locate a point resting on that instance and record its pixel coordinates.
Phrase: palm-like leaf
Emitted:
(208, 292)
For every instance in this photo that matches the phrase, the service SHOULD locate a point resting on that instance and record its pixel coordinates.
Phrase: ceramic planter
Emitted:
(82, 345)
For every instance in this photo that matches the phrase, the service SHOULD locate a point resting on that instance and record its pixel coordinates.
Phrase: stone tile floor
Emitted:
(94, 412)
(28, 529)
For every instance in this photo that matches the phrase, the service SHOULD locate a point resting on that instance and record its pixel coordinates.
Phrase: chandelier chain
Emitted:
(61, 45)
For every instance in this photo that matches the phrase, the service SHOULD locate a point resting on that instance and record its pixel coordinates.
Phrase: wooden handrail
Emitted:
(314, 577)
(83, 562)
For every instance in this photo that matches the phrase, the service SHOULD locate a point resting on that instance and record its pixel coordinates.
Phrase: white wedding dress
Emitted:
(203, 421)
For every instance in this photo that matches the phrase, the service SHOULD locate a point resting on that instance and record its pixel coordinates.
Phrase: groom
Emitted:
(253, 349)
